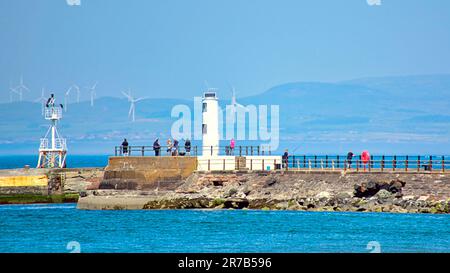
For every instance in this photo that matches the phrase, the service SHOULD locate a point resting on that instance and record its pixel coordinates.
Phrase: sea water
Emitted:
(63, 228)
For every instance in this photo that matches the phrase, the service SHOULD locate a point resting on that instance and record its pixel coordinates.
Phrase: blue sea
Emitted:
(73, 161)
(63, 228)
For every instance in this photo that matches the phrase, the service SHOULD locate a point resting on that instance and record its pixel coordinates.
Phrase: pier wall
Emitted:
(147, 173)
(294, 190)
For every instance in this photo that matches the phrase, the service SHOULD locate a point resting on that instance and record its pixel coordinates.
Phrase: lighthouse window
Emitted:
(204, 128)
(204, 107)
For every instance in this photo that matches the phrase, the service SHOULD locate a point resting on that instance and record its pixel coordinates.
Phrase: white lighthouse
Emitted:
(53, 149)
(210, 124)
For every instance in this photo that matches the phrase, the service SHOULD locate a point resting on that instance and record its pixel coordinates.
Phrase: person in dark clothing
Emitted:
(125, 147)
(175, 147)
(50, 101)
(285, 158)
(187, 146)
(349, 159)
(156, 147)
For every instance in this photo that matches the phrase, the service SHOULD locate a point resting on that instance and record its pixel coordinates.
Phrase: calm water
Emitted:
(73, 161)
(49, 228)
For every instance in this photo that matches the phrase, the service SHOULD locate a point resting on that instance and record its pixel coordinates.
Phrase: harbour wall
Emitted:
(174, 183)
(27, 185)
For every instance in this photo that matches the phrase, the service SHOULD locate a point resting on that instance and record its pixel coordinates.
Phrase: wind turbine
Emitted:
(72, 87)
(132, 101)
(12, 91)
(234, 104)
(42, 100)
(20, 88)
(92, 93)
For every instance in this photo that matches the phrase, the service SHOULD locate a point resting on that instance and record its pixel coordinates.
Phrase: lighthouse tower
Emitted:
(53, 149)
(210, 123)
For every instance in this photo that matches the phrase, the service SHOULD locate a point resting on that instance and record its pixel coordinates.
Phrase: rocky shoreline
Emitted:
(420, 193)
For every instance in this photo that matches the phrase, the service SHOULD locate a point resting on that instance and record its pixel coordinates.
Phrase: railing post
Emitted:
(251, 164)
(211, 150)
(326, 162)
(142, 150)
(382, 163)
(418, 163)
(337, 161)
(394, 163)
(251, 150)
(115, 150)
(431, 163)
(209, 164)
(371, 162)
(443, 164)
(406, 164)
(293, 161)
(240, 150)
(315, 161)
(246, 150)
(224, 164)
(258, 149)
(262, 150)
(262, 165)
(304, 161)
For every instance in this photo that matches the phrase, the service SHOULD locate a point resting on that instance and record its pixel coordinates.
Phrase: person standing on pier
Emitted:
(349, 159)
(125, 147)
(187, 146)
(175, 147)
(285, 159)
(156, 147)
(169, 146)
(232, 144)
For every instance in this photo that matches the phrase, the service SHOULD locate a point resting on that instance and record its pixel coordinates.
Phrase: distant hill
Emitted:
(381, 113)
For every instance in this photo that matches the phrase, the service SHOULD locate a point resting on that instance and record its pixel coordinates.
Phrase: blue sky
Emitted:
(168, 48)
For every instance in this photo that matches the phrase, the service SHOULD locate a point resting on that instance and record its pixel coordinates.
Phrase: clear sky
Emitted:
(167, 48)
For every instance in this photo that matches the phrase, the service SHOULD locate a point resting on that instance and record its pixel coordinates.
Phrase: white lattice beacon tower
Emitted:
(53, 149)
(210, 123)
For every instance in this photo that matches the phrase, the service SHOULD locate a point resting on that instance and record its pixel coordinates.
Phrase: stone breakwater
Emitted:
(291, 190)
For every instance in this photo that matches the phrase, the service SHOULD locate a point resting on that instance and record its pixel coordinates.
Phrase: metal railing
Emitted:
(193, 151)
(375, 163)
(250, 164)
(53, 113)
(45, 144)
